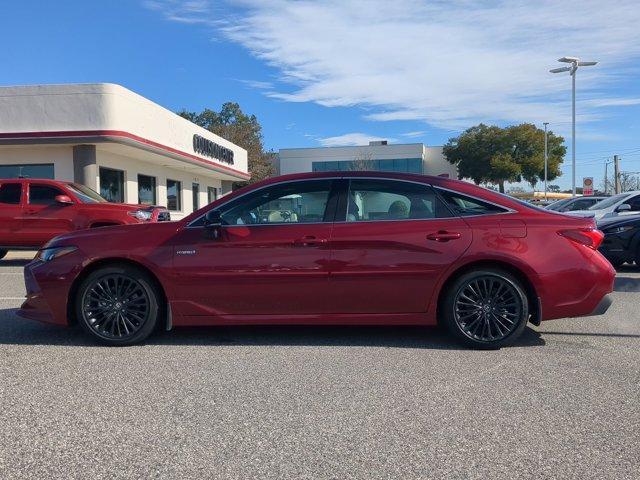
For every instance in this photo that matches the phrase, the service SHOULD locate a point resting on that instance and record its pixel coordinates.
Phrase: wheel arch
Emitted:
(105, 223)
(104, 262)
(532, 295)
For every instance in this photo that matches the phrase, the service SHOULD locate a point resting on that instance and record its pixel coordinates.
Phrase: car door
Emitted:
(43, 218)
(391, 248)
(271, 256)
(10, 213)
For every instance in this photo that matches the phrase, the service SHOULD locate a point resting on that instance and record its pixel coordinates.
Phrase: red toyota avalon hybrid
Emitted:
(364, 248)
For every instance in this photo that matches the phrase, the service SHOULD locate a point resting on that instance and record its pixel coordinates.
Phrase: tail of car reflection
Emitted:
(589, 237)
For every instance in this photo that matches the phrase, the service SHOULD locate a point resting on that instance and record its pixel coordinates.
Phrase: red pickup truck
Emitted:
(32, 212)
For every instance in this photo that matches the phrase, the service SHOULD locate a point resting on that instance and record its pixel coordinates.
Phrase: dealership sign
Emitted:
(206, 147)
(587, 186)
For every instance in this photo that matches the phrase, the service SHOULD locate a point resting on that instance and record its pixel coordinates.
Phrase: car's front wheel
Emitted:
(485, 308)
(118, 305)
(3, 253)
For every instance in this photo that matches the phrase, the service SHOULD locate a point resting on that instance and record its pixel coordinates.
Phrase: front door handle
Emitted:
(309, 241)
(443, 236)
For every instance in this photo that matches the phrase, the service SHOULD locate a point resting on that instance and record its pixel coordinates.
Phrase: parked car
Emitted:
(623, 204)
(329, 248)
(33, 211)
(573, 204)
(621, 240)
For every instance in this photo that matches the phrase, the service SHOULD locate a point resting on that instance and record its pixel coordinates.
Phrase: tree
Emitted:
(498, 155)
(628, 181)
(554, 188)
(232, 124)
(362, 162)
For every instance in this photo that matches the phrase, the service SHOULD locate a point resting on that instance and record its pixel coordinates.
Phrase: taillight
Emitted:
(589, 237)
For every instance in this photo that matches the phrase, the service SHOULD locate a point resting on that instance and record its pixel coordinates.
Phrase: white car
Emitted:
(627, 203)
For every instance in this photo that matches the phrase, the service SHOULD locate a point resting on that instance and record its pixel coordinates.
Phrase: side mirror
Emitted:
(212, 224)
(625, 207)
(63, 200)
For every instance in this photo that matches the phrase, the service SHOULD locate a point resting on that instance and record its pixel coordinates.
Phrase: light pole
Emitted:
(575, 63)
(546, 160)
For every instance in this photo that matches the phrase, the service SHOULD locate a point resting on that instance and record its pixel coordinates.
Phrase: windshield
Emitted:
(609, 202)
(557, 205)
(85, 194)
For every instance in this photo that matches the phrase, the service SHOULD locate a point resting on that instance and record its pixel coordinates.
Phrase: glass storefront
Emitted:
(174, 195)
(146, 190)
(402, 165)
(112, 184)
(36, 170)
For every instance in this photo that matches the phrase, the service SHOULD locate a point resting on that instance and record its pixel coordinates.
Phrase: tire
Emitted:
(485, 308)
(3, 253)
(118, 305)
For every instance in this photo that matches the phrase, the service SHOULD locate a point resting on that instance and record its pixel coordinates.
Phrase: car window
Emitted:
(634, 202)
(294, 202)
(609, 202)
(466, 206)
(10, 193)
(581, 204)
(43, 194)
(373, 199)
(85, 194)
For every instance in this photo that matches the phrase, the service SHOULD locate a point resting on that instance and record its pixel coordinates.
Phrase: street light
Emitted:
(575, 63)
(546, 162)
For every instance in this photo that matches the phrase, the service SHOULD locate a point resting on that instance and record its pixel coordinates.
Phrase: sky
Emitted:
(344, 72)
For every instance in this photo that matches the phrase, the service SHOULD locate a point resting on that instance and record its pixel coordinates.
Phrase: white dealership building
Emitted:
(116, 142)
(380, 155)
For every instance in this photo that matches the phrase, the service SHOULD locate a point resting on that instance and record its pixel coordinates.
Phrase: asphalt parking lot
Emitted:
(316, 403)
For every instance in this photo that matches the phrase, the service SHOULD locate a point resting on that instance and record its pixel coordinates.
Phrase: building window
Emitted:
(195, 195)
(39, 170)
(146, 190)
(174, 194)
(43, 194)
(10, 193)
(401, 165)
(212, 194)
(112, 184)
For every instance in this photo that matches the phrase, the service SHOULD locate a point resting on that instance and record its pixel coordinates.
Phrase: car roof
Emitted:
(39, 180)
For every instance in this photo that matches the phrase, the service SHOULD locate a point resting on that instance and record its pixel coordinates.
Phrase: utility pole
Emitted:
(616, 173)
(546, 160)
(606, 176)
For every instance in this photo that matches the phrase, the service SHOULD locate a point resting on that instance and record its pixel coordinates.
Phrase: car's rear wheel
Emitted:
(3, 253)
(486, 308)
(118, 305)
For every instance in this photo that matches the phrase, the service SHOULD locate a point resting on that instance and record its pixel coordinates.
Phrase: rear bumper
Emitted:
(603, 306)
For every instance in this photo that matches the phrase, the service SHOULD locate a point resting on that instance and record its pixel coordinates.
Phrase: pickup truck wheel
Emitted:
(3, 253)
(118, 305)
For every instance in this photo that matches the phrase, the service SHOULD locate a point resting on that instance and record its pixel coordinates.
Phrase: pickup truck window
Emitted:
(43, 194)
(10, 193)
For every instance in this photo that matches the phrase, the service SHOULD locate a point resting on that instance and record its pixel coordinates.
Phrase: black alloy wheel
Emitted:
(486, 308)
(118, 305)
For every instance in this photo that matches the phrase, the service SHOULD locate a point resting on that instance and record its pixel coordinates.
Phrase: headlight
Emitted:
(48, 254)
(143, 215)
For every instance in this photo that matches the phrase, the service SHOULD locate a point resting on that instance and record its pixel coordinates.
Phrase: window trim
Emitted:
(342, 196)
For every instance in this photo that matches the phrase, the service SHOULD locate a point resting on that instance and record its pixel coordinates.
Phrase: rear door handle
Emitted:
(309, 241)
(443, 236)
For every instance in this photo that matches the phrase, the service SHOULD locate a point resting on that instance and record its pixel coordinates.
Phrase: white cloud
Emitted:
(613, 102)
(415, 134)
(350, 139)
(449, 63)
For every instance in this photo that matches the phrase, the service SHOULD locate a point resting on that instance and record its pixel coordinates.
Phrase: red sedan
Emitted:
(363, 248)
